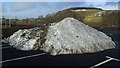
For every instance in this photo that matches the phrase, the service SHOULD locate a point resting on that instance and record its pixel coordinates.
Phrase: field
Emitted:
(99, 19)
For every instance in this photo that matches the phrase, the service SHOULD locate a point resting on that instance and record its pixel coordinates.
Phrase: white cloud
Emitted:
(95, 3)
(109, 7)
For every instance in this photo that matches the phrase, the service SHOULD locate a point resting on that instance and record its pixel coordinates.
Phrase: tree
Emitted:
(40, 17)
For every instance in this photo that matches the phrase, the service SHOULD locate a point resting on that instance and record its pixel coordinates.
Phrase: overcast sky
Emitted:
(34, 9)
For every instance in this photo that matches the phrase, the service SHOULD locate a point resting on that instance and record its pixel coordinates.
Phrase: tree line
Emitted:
(107, 20)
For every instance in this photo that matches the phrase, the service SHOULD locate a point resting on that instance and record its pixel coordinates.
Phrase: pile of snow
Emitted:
(28, 39)
(68, 36)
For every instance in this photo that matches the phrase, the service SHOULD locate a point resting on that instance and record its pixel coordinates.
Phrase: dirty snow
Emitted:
(68, 36)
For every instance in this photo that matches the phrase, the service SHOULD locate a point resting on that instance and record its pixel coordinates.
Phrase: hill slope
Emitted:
(96, 18)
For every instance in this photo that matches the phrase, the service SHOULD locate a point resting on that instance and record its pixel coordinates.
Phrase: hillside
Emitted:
(94, 17)
(100, 19)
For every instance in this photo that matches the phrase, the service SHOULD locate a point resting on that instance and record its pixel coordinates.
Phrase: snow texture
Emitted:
(68, 36)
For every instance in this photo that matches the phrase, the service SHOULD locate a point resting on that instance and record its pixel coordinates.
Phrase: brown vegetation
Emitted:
(100, 19)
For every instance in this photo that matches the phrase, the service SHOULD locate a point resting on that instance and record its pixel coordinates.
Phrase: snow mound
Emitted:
(68, 36)
(28, 39)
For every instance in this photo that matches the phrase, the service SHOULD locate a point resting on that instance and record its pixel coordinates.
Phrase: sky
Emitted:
(35, 9)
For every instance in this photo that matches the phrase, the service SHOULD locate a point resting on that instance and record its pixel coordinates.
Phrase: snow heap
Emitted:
(68, 36)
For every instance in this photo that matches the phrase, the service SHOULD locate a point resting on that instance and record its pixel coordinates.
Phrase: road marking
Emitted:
(5, 47)
(109, 59)
(22, 58)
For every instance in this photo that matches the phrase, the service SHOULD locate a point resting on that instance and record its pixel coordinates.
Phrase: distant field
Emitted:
(99, 19)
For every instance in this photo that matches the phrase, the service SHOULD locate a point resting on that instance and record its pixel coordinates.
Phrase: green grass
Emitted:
(93, 19)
